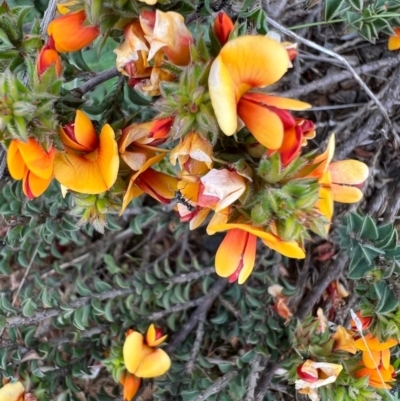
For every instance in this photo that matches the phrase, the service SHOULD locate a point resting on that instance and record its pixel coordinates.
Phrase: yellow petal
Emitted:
(154, 364)
(324, 159)
(15, 162)
(108, 160)
(151, 337)
(85, 133)
(371, 359)
(291, 249)
(131, 192)
(223, 96)
(133, 351)
(394, 41)
(12, 392)
(349, 172)
(346, 194)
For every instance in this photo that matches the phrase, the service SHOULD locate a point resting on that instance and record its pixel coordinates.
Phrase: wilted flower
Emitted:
(70, 33)
(365, 321)
(316, 374)
(90, 163)
(280, 306)
(29, 162)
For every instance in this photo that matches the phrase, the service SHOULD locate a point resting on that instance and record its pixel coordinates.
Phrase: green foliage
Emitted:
(368, 19)
(374, 255)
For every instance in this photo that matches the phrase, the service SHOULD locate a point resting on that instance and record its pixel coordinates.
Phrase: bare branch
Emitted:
(217, 386)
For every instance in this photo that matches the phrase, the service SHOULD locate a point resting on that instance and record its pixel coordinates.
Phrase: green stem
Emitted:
(334, 21)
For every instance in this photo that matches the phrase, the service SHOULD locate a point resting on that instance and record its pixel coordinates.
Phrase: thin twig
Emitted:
(265, 380)
(328, 275)
(196, 347)
(97, 80)
(337, 57)
(176, 308)
(334, 79)
(217, 386)
(186, 277)
(49, 313)
(205, 304)
(47, 17)
(256, 368)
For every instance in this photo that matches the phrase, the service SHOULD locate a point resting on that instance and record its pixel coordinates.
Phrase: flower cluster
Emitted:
(236, 150)
(366, 357)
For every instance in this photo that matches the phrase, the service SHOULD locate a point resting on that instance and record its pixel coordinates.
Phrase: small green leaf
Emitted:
(369, 229)
(333, 8)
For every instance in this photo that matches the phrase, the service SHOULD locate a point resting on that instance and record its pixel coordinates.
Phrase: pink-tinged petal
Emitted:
(348, 172)
(226, 186)
(154, 364)
(133, 351)
(223, 96)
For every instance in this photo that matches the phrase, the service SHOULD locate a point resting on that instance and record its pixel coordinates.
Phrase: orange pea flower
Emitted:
(380, 377)
(339, 180)
(141, 358)
(234, 72)
(394, 40)
(12, 392)
(47, 57)
(70, 33)
(236, 255)
(29, 162)
(90, 163)
(223, 26)
(375, 353)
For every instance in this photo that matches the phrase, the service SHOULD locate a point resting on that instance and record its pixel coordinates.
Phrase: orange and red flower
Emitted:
(90, 163)
(234, 72)
(47, 57)
(223, 26)
(394, 40)
(70, 33)
(29, 162)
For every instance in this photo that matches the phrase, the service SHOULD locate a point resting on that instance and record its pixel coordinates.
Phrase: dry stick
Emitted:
(390, 92)
(198, 315)
(196, 347)
(47, 17)
(332, 80)
(327, 276)
(97, 80)
(217, 386)
(337, 57)
(48, 313)
(256, 368)
(265, 380)
(186, 277)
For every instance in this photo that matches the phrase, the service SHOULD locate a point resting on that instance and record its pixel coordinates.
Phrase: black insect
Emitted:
(181, 199)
